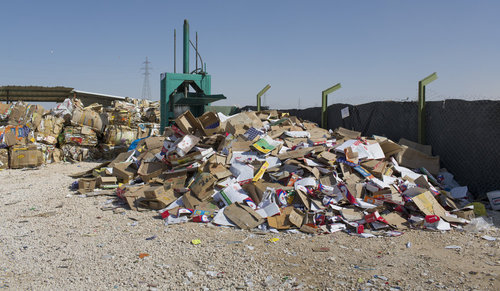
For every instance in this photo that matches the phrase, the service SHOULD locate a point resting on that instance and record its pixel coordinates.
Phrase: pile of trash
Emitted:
(31, 136)
(272, 171)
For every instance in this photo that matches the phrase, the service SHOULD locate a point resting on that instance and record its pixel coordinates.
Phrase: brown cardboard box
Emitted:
(281, 221)
(163, 200)
(175, 180)
(210, 123)
(25, 156)
(203, 185)
(86, 185)
(147, 171)
(103, 181)
(390, 148)
(153, 192)
(123, 171)
(190, 201)
(188, 123)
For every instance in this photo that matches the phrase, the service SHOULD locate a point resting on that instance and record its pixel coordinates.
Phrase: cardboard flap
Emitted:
(296, 217)
(349, 134)
(425, 149)
(412, 158)
(429, 205)
(243, 216)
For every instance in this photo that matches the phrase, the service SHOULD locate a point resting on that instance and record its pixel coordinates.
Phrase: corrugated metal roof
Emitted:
(48, 94)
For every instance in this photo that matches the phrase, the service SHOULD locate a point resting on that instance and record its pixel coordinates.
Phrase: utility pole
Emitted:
(146, 90)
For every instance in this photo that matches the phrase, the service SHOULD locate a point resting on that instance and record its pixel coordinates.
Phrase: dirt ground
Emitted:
(53, 239)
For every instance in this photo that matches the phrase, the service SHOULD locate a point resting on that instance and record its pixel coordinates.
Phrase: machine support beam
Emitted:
(421, 106)
(259, 95)
(185, 48)
(324, 104)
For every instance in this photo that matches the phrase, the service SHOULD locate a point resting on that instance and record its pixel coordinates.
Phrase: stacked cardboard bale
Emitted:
(18, 147)
(31, 136)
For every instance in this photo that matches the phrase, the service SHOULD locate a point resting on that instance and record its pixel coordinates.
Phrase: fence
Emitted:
(465, 134)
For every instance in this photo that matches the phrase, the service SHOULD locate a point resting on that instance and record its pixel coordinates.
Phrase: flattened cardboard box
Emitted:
(154, 142)
(426, 149)
(412, 159)
(243, 216)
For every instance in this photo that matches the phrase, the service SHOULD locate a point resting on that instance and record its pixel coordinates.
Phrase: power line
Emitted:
(146, 90)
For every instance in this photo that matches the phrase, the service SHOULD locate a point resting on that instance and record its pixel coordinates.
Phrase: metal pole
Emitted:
(175, 52)
(324, 104)
(421, 106)
(196, 51)
(264, 90)
(186, 47)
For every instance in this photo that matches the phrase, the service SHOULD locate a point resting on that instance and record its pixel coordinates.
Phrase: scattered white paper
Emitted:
(345, 145)
(221, 219)
(298, 134)
(241, 171)
(489, 238)
(344, 112)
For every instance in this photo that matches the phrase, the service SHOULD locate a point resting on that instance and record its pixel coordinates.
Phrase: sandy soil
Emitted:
(52, 239)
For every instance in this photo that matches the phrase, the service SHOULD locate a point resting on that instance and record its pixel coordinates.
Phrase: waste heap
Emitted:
(278, 172)
(31, 136)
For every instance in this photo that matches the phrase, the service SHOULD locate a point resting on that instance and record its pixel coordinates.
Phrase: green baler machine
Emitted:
(186, 91)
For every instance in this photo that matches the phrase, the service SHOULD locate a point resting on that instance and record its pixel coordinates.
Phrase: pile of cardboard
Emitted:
(31, 136)
(274, 171)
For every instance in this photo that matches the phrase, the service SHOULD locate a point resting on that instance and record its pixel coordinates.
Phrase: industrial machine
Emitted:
(189, 90)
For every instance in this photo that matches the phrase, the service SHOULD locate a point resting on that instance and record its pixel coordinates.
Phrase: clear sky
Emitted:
(378, 50)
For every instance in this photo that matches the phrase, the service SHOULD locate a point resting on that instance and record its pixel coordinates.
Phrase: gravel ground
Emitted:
(52, 239)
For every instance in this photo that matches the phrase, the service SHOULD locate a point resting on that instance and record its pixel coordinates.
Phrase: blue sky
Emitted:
(378, 50)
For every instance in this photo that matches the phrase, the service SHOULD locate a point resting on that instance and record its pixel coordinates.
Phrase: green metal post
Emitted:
(264, 90)
(324, 104)
(185, 48)
(421, 106)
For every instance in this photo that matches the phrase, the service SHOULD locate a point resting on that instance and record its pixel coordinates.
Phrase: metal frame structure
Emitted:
(175, 87)
(259, 95)
(324, 104)
(421, 106)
